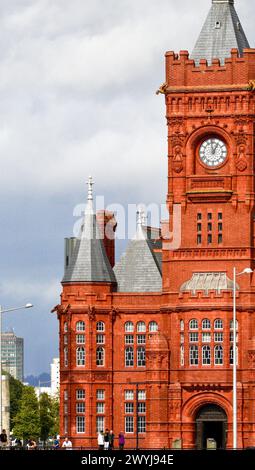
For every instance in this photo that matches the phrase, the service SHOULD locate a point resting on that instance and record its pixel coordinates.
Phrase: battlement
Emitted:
(182, 71)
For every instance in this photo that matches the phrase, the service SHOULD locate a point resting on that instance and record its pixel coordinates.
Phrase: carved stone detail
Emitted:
(241, 161)
(91, 313)
(177, 161)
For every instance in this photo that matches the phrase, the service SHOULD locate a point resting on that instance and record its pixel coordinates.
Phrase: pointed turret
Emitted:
(89, 262)
(222, 31)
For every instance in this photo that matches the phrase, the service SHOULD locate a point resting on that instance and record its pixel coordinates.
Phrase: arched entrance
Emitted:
(211, 423)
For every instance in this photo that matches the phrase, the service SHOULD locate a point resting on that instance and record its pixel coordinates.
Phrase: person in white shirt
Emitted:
(67, 444)
(100, 440)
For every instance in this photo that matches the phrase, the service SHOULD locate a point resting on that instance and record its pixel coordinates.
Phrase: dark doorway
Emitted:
(211, 423)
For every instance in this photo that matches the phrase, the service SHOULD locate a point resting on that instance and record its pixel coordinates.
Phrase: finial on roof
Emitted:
(144, 218)
(139, 224)
(90, 188)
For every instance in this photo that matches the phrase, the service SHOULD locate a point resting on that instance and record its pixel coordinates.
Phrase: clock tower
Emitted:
(210, 104)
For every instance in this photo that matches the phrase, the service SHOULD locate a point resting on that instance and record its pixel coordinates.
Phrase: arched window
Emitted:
(193, 355)
(218, 355)
(100, 356)
(80, 357)
(153, 326)
(182, 355)
(141, 327)
(193, 324)
(232, 324)
(129, 356)
(218, 324)
(206, 355)
(140, 356)
(182, 325)
(100, 326)
(206, 324)
(65, 327)
(129, 327)
(80, 326)
(66, 356)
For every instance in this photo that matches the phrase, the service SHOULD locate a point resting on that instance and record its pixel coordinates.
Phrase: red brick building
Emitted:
(146, 345)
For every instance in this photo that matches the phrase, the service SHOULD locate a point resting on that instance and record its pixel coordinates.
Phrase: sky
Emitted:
(77, 98)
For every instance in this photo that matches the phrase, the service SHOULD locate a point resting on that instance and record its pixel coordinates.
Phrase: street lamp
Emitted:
(235, 274)
(1, 312)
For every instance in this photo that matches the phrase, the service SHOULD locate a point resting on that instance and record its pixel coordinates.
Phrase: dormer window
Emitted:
(217, 24)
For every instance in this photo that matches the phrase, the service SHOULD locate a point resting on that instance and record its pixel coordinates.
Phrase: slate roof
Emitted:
(217, 281)
(139, 269)
(222, 31)
(89, 262)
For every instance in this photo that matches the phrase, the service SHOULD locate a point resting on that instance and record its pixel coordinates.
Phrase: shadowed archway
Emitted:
(211, 423)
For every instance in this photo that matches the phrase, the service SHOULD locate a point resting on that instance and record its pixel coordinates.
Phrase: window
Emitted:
(182, 355)
(220, 227)
(182, 325)
(100, 423)
(141, 339)
(129, 339)
(206, 337)
(193, 337)
(140, 356)
(65, 339)
(80, 407)
(141, 327)
(220, 238)
(80, 357)
(100, 339)
(218, 355)
(232, 325)
(199, 239)
(100, 407)
(206, 355)
(199, 227)
(206, 324)
(100, 326)
(209, 216)
(129, 327)
(129, 395)
(129, 357)
(209, 239)
(141, 395)
(193, 355)
(80, 326)
(65, 327)
(80, 339)
(199, 216)
(100, 357)
(218, 324)
(66, 408)
(141, 424)
(80, 394)
(65, 395)
(129, 408)
(100, 394)
(66, 356)
(209, 227)
(141, 407)
(153, 326)
(129, 424)
(218, 337)
(220, 216)
(80, 424)
(182, 338)
(217, 25)
(193, 325)
(66, 424)
(231, 355)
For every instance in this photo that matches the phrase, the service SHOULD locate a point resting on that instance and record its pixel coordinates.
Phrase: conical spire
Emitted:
(222, 31)
(89, 262)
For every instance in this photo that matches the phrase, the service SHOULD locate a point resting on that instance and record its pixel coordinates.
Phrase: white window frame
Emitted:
(141, 356)
(206, 324)
(206, 355)
(195, 322)
(80, 394)
(153, 326)
(218, 347)
(80, 357)
(100, 356)
(129, 424)
(193, 355)
(218, 321)
(129, 327)
(80, 424)
(100, 326)
(80, 326)
(100, 394)
(129, 356)
(141, 327)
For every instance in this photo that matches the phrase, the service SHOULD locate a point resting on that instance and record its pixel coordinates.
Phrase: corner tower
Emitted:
(210, 105)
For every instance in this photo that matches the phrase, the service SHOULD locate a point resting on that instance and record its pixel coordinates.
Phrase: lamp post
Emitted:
(1, 312)
(235, 274)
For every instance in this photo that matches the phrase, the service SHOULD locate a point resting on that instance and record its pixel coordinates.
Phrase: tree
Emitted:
(55, 415)
(46, 416)
(16, 389)
(27, 420)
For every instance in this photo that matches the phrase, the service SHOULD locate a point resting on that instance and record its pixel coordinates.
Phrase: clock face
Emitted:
(213, 152)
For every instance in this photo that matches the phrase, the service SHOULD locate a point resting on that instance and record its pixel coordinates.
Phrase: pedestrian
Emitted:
(111, 440)
(31, 445)
(100, 440)
(67, 444)
(106, 439)
(56, 443)
(121, 440)
(3, 438)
